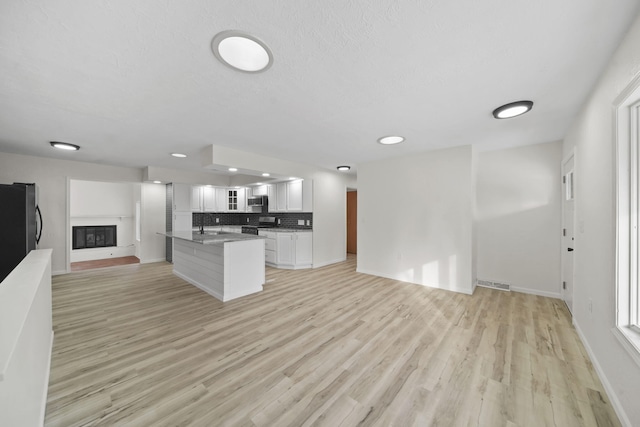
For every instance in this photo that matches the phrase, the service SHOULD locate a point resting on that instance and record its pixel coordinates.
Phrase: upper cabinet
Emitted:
(294, 195)
(221, 199)
(203, 199)
(281, 197)
(196, 199)
(209, 199)
(181, 197)
(216, 199)
(291, 196)
(236, 200)
(260, 190)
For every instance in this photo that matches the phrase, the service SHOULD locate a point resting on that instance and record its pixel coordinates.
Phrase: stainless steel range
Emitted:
(263, 222)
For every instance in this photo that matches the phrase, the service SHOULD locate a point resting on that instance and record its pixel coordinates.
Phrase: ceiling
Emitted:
(132, 81)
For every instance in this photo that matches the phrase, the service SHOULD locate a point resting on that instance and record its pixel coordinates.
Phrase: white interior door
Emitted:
(568, 240)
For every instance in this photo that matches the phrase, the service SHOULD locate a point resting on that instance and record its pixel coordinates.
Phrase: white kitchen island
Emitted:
(224, 265)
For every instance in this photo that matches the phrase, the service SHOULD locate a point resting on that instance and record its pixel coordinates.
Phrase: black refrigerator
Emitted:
(21, 224)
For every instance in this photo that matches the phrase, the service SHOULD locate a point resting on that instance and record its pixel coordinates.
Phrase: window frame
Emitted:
(627, 215)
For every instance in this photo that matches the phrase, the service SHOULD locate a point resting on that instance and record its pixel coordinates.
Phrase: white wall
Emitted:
(519, 212)
(153, 204)
(329, 218)
(594, 259)
(415, 219)
(103, 203)
(51, 176)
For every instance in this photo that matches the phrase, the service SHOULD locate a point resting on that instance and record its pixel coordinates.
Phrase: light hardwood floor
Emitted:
(135, 345)
(102, 263)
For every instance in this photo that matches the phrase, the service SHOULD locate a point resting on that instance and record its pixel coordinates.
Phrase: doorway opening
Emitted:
(568, 235)
(352, 222)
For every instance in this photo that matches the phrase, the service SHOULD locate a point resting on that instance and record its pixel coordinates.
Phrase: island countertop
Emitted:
(210, 237)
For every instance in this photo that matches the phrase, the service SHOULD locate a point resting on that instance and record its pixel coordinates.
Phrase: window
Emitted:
(627, 136)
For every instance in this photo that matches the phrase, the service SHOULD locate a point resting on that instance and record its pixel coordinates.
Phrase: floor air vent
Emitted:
(494, 285)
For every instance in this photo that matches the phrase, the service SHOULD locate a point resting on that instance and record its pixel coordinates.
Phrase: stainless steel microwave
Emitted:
(258, 201)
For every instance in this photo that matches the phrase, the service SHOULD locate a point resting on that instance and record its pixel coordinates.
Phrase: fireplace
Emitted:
(94, 236)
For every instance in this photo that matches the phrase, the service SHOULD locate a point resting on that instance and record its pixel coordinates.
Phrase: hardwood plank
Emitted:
(102, 263)
(136, 345)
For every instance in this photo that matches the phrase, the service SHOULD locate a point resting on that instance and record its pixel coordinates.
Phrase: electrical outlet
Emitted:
(217, 220)
(308, 222)
(247, 219)
(301, 222)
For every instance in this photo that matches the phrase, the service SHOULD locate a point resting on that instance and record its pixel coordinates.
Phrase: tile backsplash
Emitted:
(287, 219)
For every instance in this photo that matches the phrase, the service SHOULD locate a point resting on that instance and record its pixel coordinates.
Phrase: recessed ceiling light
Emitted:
(209, 185)
(64, 146)
(157, 182)
(266, 174)
(258, 183)
(344, 168)
(180, 155)
(292, 177)
(512, 109)
(390, 140)
(233, 169)
(241, 51)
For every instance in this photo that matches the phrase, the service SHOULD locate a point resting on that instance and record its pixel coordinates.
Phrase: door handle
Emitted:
(569, 249)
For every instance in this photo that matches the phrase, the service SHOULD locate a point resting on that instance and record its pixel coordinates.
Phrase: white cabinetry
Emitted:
(181, 218)
(290, 196)
(182, 221)
(196, 199)
(260, 190)
(269, 247)
(242, 200)
(221, 199)
(286, 247)
(181, 197)
(290, 250)
(304, 249)
(281, 197)
(209, 199)
(236, 200)
(294, 195)
(203, 199)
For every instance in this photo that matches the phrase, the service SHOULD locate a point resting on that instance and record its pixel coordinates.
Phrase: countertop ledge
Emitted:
(287, 230)
(210, 238)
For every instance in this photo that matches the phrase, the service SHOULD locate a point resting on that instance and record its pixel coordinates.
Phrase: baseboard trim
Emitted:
(324, 264)
(617, 406)
(151, 261)
(388, 276)
(536, 292)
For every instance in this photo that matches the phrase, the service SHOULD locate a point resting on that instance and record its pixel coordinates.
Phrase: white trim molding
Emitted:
(627, 172)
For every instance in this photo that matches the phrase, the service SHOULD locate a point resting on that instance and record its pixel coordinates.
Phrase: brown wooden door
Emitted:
(352, 222)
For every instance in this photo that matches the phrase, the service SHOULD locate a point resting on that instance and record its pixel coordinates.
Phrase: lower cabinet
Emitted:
(290, 250)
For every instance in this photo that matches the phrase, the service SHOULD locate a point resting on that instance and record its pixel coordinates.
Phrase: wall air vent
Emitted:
(494, 285)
